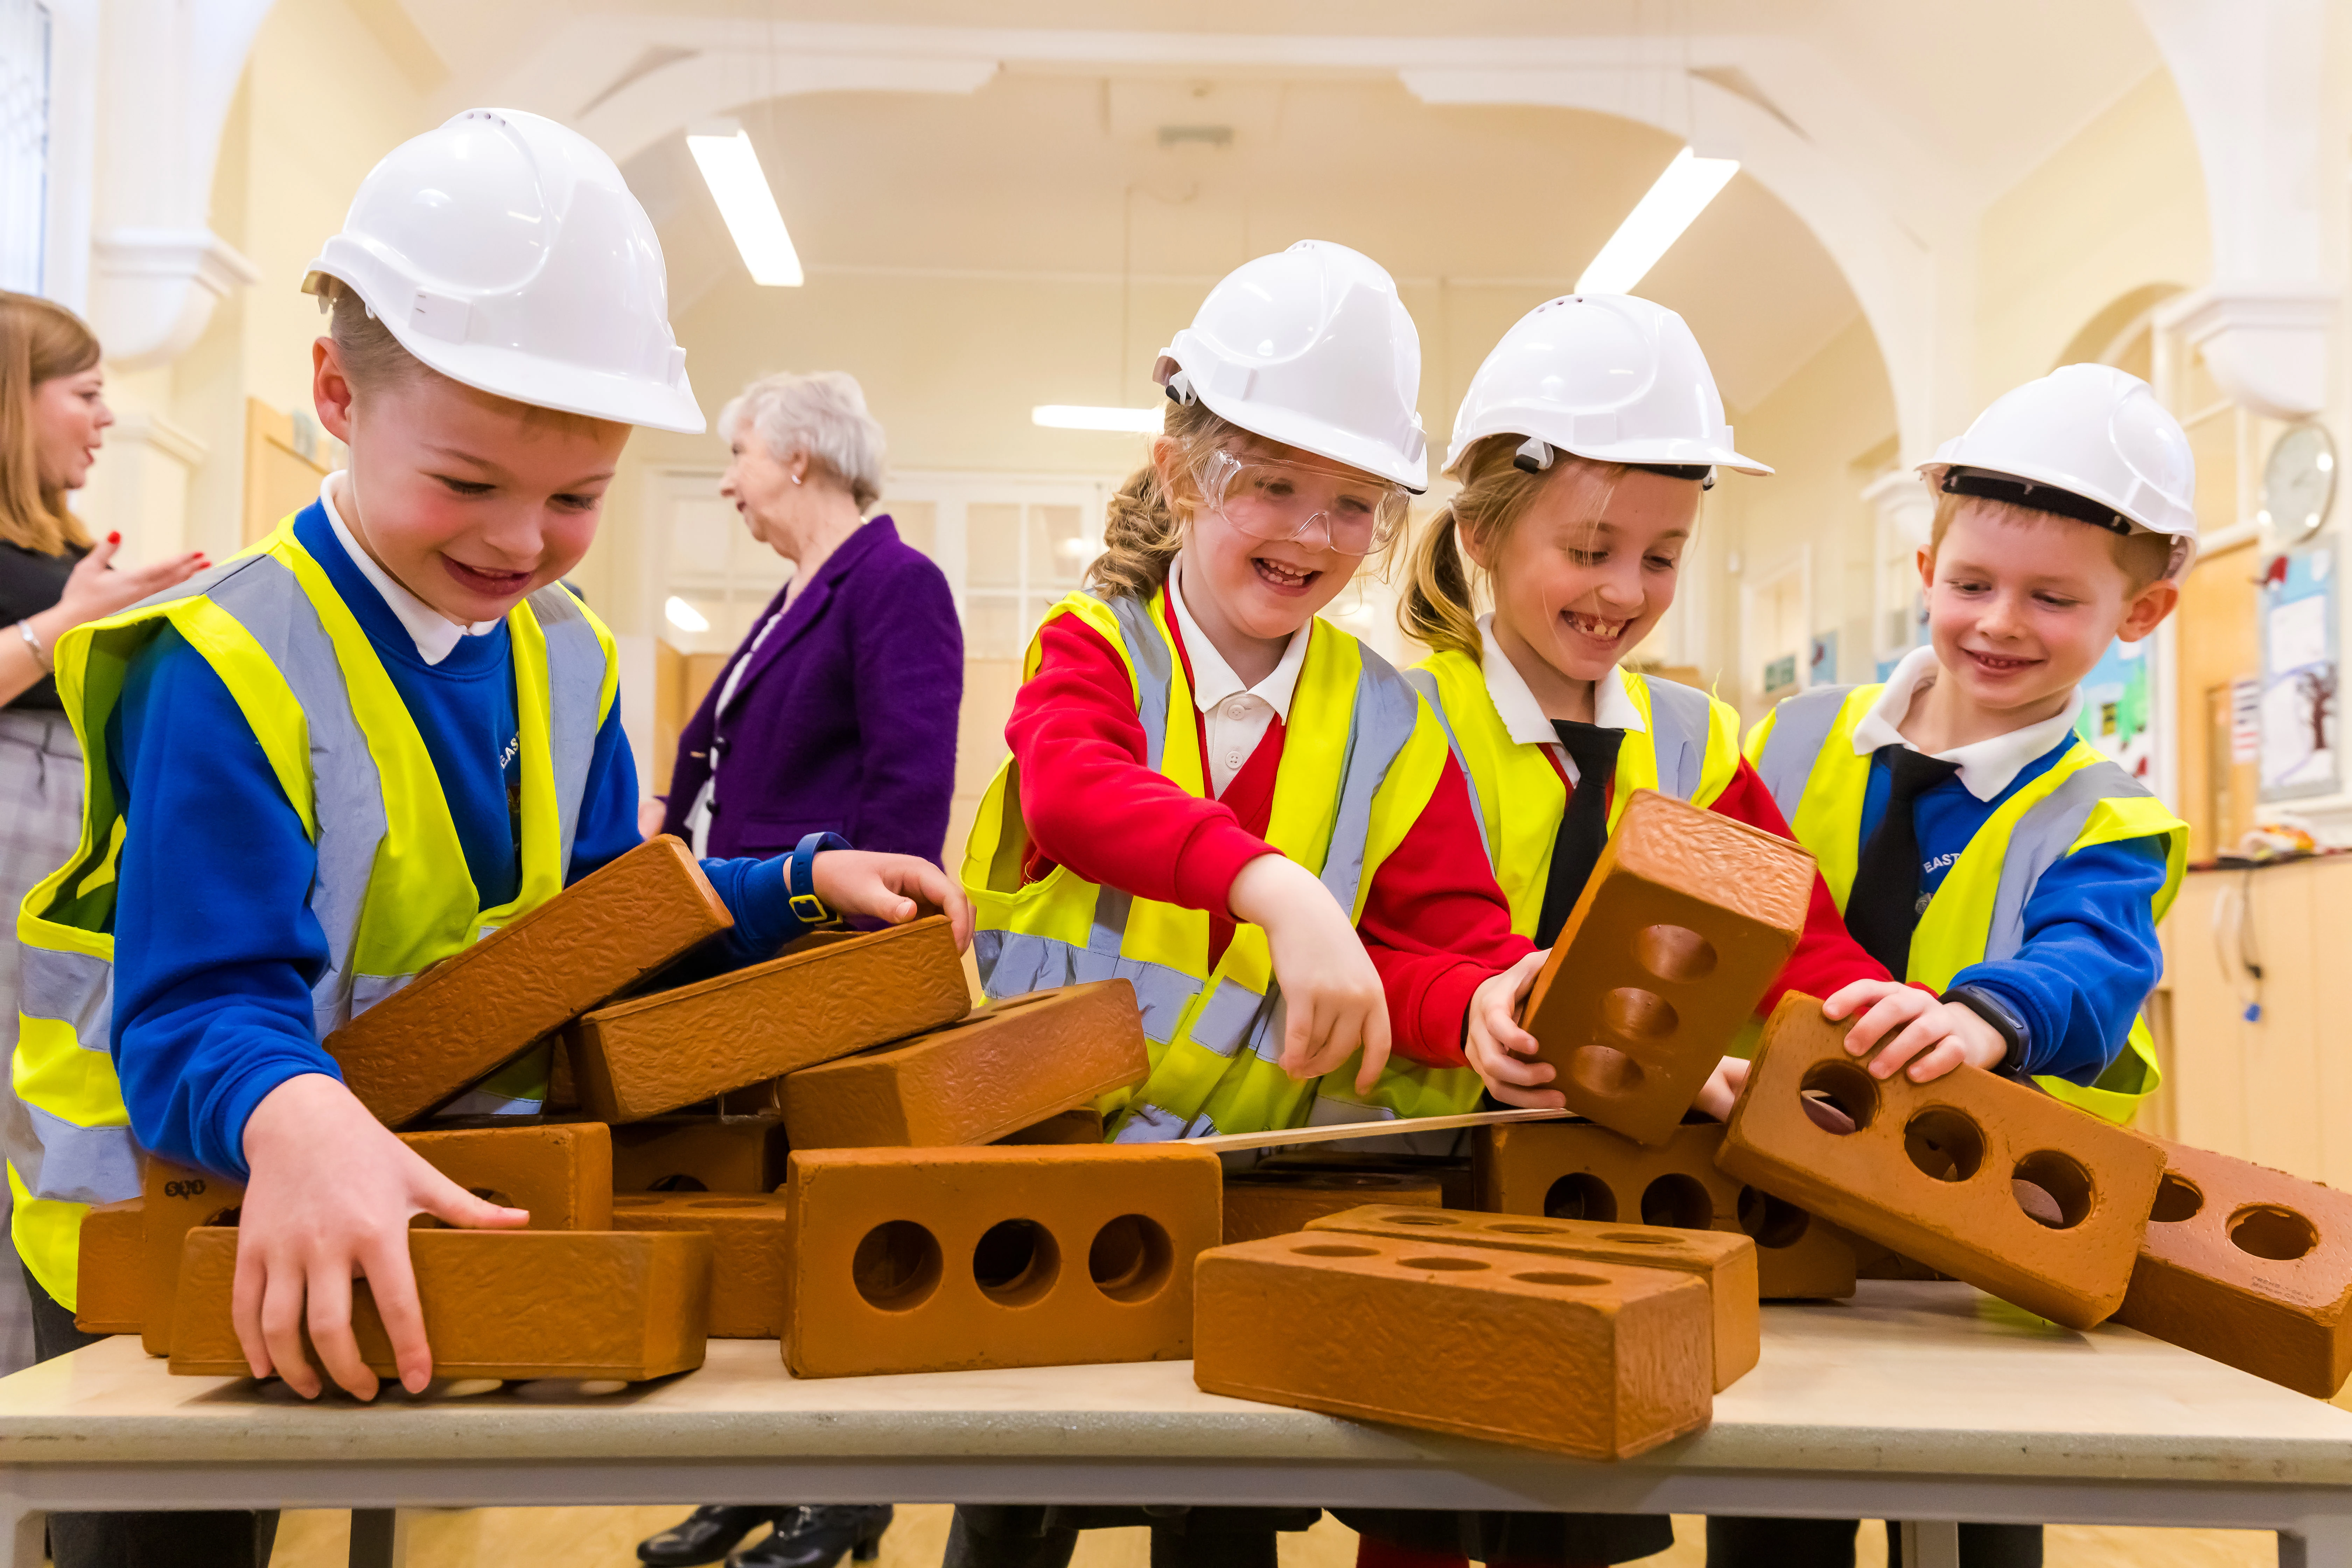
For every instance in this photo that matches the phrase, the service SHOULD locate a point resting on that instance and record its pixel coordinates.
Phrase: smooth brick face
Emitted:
(110, 1286)
(1724, 1262)
(1454, 1175)
(1686, 918)
(1941, 1172)
(956, 1260)
(1005, 1068)
(174, 1199)
(1262, 1202)
(699, 1153)
(2251, 1266)
(1591, 1359)
(510, 1304)
(562, 1172)
(1079, 1124)
(1571, 1170)
(655, 1053)
(751, 1250)
(475, 1012)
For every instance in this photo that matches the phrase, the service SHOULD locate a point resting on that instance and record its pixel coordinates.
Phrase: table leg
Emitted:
(27, 1543)
(2318, 1543)
(1932, 1543)
(379, 1538)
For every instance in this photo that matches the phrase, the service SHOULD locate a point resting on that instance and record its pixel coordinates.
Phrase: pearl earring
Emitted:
(796, 478)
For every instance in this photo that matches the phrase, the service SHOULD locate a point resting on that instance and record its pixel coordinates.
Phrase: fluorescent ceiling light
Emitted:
(684, 616)
(1079, 416)
(732, 167)
(1656, 221)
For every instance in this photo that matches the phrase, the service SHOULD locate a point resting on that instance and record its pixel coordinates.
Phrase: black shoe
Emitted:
(818, 1537)
(706, 1535)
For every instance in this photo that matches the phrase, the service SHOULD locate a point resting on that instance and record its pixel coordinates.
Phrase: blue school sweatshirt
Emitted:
(2090, 956)
(216, 947)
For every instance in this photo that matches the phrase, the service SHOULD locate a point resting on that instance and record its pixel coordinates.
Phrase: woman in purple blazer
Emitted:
(837, 715)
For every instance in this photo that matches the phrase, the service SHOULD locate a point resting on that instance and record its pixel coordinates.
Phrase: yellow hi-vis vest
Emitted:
(1804, 751)
(392, 893)
(1691, 752)
(1362, 756)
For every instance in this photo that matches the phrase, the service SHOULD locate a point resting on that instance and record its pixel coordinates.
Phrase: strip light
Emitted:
(1082, 416)
(731, 166)
(684, 616)
(1656, 221)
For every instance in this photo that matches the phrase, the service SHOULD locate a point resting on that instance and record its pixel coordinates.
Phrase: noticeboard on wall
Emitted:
(2300, 753)
(2119, 707)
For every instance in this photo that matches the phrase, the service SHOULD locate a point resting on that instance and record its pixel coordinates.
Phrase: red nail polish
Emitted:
(114, 539)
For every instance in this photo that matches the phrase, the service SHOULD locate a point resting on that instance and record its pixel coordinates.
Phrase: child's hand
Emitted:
(894, 887)
(1933, 1037)
(1332, 999)
(1496, 1042)
(330, 1198)
(1721, 1090)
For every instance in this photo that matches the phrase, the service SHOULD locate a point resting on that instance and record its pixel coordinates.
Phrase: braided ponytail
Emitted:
(1143, 528)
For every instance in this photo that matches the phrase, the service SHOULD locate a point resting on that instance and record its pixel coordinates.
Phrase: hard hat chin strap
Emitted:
(1536, 456)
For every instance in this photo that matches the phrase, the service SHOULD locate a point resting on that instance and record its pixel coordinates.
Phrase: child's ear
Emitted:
(330, 389)
(1927, 567)
(2147, 609)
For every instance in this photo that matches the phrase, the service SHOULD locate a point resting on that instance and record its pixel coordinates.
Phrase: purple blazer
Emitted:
(846, 720)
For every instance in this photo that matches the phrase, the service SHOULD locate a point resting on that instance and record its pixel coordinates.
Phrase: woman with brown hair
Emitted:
(53, 418)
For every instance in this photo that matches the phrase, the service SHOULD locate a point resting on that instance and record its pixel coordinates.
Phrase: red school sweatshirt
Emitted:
(1435, 922)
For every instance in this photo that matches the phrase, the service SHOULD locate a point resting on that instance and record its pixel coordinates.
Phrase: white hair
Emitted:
(821, 415)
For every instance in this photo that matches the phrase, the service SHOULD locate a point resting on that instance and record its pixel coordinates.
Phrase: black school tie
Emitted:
(1882, 910)
(1583, 825)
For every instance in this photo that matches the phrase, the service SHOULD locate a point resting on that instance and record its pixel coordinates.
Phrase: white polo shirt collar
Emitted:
(1986, 767)
(435, 635)
(1213, 680)
(1523, 716)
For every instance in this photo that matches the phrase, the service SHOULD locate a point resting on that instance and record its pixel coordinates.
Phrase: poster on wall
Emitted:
(2298, 724)
(2118, 700)
(1823, 668)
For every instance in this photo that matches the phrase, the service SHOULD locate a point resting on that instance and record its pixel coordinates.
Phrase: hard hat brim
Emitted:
(1310, 435)
(2045, 473)
(1671, 452)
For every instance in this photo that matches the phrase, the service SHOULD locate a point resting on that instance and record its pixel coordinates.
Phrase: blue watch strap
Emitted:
(800, 878)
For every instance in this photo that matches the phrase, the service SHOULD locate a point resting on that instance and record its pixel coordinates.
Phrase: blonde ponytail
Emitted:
(1143, 528)
(1437, 608)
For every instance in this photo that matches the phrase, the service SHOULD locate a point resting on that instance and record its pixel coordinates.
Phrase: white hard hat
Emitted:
(2086, 441)
(1603, 376)
(506, 252)
(1312, 347)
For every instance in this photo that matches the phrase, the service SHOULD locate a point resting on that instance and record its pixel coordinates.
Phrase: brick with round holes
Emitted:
(1006, 1067)
(1574, 1170)
(1686, 918)
(497, 1303)
(1944, 1172)
(750, 1240)
(1276, 1202)
(955, 1259)
(473, 1013)
(110, 1278)
(1596, 1360)
(699, 1153)
(2249, 1266)
(1724, 1262)
(654, 1053)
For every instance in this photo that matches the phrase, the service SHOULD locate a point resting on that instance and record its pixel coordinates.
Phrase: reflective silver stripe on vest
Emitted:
(1800, 727)
(1681, 720)
(1424, 682)
(2045, 831)
(575, 685)
(54, 1158)
(1148, 654)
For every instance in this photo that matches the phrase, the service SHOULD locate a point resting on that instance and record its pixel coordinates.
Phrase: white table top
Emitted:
(1906, 1378)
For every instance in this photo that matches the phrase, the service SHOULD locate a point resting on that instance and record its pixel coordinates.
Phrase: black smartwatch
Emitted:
(2004, 1019)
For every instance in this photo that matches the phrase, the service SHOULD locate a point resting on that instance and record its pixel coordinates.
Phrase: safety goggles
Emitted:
(1327, 508)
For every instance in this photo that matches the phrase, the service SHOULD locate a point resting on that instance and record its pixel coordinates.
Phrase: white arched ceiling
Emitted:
(1867, 189)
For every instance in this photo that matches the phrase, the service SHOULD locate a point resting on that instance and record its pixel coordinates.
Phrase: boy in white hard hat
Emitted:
(353, 750)
(1981, 848)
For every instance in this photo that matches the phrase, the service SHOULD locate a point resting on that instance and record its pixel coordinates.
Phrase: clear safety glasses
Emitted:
(1350, 514)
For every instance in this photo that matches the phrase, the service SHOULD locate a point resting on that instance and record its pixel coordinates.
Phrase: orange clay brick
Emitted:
(751, 1250)
(1574, 1170)
(655, 1053)
(473, 1013)
(174, 1199)
(560, 1172)
(957, 1259)
(1725, 1262)
(510, 1304)
(1986, 1180)
(699, 1153)
(1275, 1202)
(1455, 1174)
(1595, 1359)
(1006, 1067)
(2250, 1266)
(110, 1281)
(1687, 918)
(1079, 1124)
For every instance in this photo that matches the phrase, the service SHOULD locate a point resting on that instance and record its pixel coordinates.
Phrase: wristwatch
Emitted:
(800, 879)
(2005, 1020)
